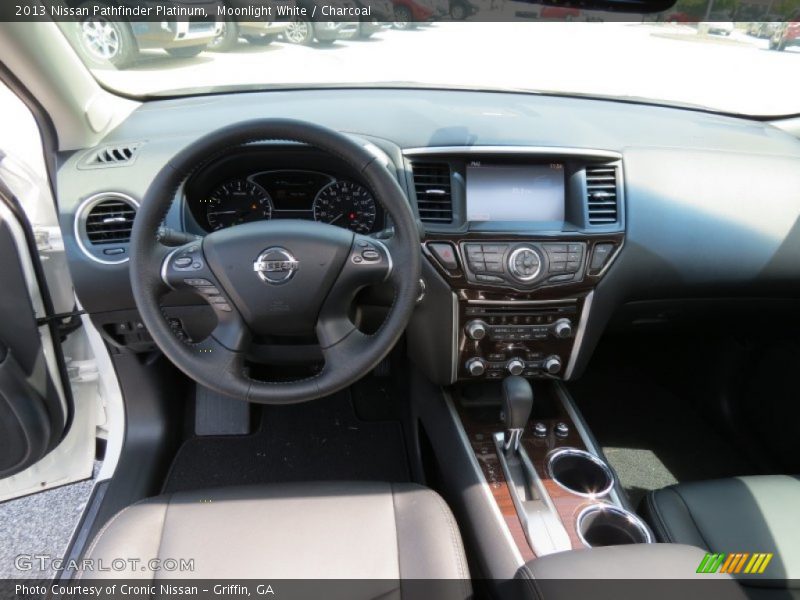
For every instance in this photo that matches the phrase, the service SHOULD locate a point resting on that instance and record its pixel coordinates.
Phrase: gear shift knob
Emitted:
(517, 407)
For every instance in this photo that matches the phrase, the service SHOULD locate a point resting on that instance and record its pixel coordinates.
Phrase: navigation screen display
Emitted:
(515, 192)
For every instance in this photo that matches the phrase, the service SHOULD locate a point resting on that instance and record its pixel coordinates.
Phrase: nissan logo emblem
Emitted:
(276, 265)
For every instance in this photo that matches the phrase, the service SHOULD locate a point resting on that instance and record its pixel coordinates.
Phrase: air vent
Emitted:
(601, 194)
(110, 222)
(113, 156)
(434, 195)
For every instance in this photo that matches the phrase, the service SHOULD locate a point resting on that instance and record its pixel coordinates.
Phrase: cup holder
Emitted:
(579, 472)
(607, 525)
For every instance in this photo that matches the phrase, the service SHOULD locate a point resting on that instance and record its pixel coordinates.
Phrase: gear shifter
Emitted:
(517, 407)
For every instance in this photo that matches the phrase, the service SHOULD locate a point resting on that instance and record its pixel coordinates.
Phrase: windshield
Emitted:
(719, 62)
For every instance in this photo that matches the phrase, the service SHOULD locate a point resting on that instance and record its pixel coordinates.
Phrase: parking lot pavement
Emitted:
(669, 62)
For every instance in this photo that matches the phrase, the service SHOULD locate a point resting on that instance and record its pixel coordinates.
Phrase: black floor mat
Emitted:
(312, 441)
(652, 436)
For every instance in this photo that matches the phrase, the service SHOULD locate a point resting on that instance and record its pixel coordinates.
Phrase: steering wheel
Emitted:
(281, 277)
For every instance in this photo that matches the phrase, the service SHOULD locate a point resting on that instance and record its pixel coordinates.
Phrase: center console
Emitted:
(521, 236)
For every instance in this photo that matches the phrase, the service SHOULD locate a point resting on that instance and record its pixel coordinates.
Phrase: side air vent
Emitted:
(601, 194)
(103, 226)
(433, 190)
(113, 156)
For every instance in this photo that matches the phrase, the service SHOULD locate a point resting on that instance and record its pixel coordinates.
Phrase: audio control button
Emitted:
(525, 263)
(476, 366)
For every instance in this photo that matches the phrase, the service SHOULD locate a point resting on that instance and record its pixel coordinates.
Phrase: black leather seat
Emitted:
(759, 514)
(335, 530)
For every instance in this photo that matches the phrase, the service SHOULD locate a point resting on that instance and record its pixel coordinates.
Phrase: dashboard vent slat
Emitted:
(110, 222)
(434, 192)
(113, 156)
(601, 195)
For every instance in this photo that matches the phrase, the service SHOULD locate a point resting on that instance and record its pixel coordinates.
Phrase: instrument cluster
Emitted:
(287, 194)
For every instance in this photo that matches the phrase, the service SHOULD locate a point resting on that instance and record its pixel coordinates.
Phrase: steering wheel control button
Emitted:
(183, 262)
(275, 266)
(371, 255)
(525, 263)
(445, 254)
(197, 282)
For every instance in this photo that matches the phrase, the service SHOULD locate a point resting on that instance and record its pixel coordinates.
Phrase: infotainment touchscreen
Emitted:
(515, 192)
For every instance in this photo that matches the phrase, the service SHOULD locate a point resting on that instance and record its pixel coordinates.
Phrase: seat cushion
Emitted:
(332, 530)
(742, 514)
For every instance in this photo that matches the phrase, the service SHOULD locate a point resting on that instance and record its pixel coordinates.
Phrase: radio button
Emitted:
(489, 278)
(494, 267)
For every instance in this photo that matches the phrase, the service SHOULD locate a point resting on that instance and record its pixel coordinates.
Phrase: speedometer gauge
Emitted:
(346, 204)
(237, 201)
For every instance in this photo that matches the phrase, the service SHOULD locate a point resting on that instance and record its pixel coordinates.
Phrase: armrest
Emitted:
(650, 571)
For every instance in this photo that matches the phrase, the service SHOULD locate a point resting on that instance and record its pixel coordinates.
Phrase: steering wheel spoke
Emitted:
(369, 263)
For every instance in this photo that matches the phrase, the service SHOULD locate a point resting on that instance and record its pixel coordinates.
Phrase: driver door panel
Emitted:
(33, 415)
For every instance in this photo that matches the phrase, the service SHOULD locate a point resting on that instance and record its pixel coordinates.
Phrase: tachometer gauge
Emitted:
(346, 204)
(237, 201)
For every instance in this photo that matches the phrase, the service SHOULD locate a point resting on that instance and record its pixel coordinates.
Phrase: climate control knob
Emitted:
(476, 329)
(515, 366)
(552, 364)
(563, 328)
(476, 367)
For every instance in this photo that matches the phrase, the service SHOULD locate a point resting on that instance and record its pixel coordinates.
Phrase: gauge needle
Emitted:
(223, 212)
(336, 218)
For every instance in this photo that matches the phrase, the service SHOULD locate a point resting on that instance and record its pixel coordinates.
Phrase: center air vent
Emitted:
(433, 190)
(112, 156)
(601, 194)
(103, 226)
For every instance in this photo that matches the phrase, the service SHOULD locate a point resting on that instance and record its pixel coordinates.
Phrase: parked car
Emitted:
(717, 23)
(462, 9)
(260, 32)
(559, 13)
(765, 27)
(381, 17)
(786, 34)
(409, 13)
(304, 30)
(103, 41)
(681, 17)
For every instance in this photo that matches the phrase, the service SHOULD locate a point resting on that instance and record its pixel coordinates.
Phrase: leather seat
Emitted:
(330, 530)
(742, 514)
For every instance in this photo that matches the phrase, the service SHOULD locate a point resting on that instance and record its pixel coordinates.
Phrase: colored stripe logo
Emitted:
(737, 562)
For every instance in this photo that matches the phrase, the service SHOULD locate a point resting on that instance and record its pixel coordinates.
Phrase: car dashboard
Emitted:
(542, 217)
